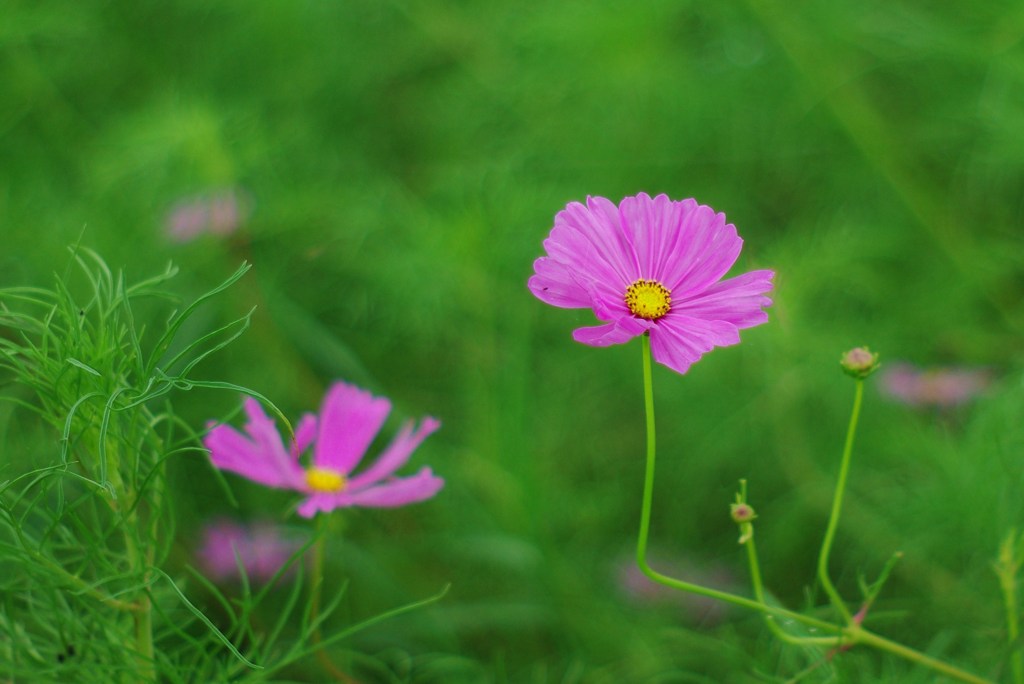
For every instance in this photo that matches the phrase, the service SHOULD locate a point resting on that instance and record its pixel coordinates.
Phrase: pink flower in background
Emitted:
(651, 265)
(349, 420)
(942, 387)
(261, 548)
(219, 213)
(641, 589)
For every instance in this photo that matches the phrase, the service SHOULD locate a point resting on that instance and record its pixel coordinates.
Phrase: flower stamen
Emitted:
(648, 299)
(325, 480)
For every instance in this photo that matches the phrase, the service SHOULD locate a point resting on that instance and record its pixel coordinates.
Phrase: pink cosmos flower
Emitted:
(261, 548)
(651, 265)
(349, 420)
(220, 213)
(942, 387)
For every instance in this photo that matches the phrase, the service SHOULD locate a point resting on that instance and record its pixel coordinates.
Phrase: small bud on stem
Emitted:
(859, 362)
(743, 513)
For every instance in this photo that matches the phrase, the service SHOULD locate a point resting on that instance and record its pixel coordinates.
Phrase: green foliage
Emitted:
(86, 527)
(405, 159)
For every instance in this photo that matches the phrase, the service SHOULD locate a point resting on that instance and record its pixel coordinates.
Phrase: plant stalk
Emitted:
(847, 636)
(645, 525)
(837, 507)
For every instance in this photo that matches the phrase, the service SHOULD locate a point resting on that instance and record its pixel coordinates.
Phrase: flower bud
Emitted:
(742, 512)
(859, 362)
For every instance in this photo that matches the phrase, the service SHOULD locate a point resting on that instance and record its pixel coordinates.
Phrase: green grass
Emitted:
(405, 160)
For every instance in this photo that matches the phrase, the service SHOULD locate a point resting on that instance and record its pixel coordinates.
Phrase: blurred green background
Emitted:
(400, 163)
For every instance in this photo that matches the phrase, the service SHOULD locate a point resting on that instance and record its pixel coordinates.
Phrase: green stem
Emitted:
(1013, 633)
(773, 625)
(318, 568)
(154, 508)
(143, 615)
(319, 551)
(645, 526)
(1007, 569)
(138, 548)
(837, 506)
(144, 635)
(851, 635)
(862, 636)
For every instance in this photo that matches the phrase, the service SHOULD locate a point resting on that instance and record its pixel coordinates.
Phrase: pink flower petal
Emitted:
(261, 427)
(707, 249)
(600, 224)
(653, 227)
(316, 503)
(622, 330)
(261, 457)
(397, 453)
(555, 285)
(679, 341)
(349, 420)
(737, 300)
(305, 433)
(398, 492)
(608, 305)
(572, 248)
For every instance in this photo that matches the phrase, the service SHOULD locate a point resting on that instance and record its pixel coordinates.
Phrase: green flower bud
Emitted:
(742, 512)
(859, 362)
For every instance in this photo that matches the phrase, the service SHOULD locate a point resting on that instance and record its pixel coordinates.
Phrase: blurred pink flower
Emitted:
(942, 387)
(349, 420)
(219, 213)
(261, 548)
(641, 589)
(651, 265)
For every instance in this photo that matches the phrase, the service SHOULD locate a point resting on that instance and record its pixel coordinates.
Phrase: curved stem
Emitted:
(645, 526)
(837, 505)
(773, 625)
(850, 635)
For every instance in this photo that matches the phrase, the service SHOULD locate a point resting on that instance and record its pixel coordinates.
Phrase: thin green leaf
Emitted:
(177, 321)
(206, 621)
(87, 368)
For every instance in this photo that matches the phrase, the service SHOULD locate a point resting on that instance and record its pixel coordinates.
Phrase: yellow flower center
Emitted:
(648, 299)
(325, 480)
